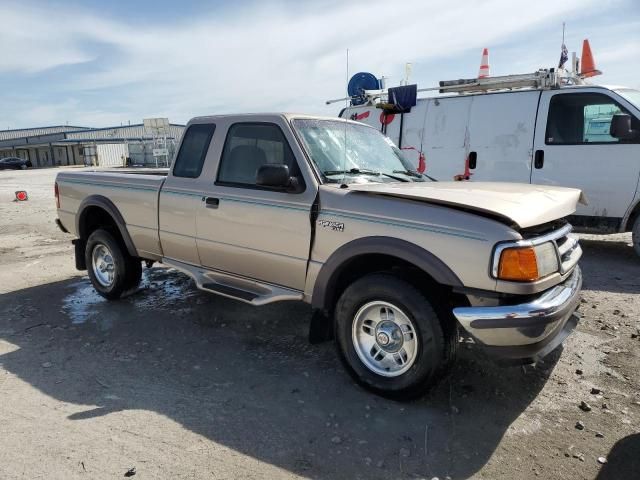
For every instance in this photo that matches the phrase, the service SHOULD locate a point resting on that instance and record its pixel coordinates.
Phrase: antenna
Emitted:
(346, 105)
(408, 68)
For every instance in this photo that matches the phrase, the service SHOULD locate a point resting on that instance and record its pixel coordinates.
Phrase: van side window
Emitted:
(249, 146)
(581, 118)
(193, 150)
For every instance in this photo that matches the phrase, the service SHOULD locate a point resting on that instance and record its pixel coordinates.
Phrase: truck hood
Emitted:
(520, 203)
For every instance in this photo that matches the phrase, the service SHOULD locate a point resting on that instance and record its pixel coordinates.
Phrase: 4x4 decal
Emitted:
(335, 226)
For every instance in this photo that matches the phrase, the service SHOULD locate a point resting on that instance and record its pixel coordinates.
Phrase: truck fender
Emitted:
(108, 206)
(409, 252)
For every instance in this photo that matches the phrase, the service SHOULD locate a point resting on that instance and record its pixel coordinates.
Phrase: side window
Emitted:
(193, 151)
(249, 146)
(581, 118)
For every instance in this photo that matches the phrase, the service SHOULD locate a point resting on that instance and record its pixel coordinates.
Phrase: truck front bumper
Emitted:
(526, 332)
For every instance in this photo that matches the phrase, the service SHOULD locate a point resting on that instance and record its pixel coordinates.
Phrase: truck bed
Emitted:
(134, 191)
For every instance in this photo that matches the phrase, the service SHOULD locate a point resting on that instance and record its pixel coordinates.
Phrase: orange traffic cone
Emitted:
(484, 64)
(588, 65)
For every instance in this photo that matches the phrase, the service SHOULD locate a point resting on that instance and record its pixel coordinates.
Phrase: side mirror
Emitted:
(621, 126)
(273, 175)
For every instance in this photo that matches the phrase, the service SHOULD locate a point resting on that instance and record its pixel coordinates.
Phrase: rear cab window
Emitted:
(193, 150)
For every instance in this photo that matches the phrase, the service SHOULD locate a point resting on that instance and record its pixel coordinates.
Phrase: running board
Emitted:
(231, 286)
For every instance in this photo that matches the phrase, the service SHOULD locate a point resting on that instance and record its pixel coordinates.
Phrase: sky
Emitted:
(105, 63)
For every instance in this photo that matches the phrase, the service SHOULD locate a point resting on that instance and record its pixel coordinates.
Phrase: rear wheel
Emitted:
(111, 269)
(390, 338)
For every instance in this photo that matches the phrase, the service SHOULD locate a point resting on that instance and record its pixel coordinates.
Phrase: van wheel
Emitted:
(111, 269)
(635, 235)
(390, 338)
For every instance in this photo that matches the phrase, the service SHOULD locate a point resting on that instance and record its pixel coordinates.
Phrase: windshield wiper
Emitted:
(410, 173)
(400, 179)
(354, 171)
(413, 173)
(363, 171)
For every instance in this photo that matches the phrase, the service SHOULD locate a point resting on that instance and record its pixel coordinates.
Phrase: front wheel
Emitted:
(635, 235)
(390, 338)
(111, 269)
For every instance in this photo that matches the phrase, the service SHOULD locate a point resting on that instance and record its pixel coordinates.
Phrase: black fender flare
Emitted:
(630, 217)
(323, 293)
(109, 207)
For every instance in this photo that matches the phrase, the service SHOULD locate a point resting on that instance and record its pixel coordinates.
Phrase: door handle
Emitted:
(538, 159)
(473, 160)
(211, 202)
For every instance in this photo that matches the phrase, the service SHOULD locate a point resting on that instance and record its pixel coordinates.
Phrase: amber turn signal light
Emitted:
(518, 264)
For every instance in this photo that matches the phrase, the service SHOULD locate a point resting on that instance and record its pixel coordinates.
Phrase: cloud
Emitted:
(253, 57)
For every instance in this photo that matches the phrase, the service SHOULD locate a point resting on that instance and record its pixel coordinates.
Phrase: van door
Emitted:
(501, 129)
(445, 139)
(573, 148)
(249, 230)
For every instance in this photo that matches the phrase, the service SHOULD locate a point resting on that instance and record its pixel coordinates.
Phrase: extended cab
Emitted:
(262, 208)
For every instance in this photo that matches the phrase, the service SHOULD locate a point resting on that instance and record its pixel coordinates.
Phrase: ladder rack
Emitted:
(542, 79)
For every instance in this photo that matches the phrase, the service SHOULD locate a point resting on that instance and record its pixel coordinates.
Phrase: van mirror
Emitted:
(273, 175)
(621, 127)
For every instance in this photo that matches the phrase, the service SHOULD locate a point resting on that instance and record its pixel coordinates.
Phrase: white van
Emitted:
(549, 136)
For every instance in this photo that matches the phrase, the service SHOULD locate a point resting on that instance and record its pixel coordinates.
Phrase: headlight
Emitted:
(526, 264)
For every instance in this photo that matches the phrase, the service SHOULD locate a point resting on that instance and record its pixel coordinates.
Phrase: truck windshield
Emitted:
(631, 95)
(345, 151)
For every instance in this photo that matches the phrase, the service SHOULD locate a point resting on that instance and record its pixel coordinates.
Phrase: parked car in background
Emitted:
(263, 208)
(15, 163)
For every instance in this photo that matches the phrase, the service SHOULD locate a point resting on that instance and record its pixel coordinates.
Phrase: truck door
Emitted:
(573, 148)
(180, 196)
(249, 230)
(501, 128)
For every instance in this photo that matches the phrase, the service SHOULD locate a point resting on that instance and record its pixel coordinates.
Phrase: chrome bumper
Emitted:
(527, 331)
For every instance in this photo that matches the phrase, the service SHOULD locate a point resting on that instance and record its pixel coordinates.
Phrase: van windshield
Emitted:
(351, 153)
(630, 95)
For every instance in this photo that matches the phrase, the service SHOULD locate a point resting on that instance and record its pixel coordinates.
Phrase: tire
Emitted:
(418, 350)
(635, 235)
(135, 274)
(111, 269)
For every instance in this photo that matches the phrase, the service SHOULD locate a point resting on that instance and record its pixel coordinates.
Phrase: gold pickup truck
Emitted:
(270, 207)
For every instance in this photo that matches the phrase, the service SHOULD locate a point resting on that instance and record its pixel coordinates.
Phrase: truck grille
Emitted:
(567, 246)
(569, 252)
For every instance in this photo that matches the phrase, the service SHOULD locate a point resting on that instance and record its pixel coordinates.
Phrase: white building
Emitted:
(72, 145)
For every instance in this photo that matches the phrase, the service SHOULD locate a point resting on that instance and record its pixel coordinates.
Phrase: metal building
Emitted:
(72, 145)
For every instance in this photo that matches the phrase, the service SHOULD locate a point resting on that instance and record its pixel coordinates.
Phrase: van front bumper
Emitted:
(526, 332)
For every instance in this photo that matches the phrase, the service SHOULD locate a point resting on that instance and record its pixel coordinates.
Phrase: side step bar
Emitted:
(229, 291)
(231, 286)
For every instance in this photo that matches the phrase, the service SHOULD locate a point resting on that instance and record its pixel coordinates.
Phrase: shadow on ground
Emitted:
(246, 378)
(622, 263)
(623, 460)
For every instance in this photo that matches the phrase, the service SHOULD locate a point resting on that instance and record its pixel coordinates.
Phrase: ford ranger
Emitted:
(396, 267)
